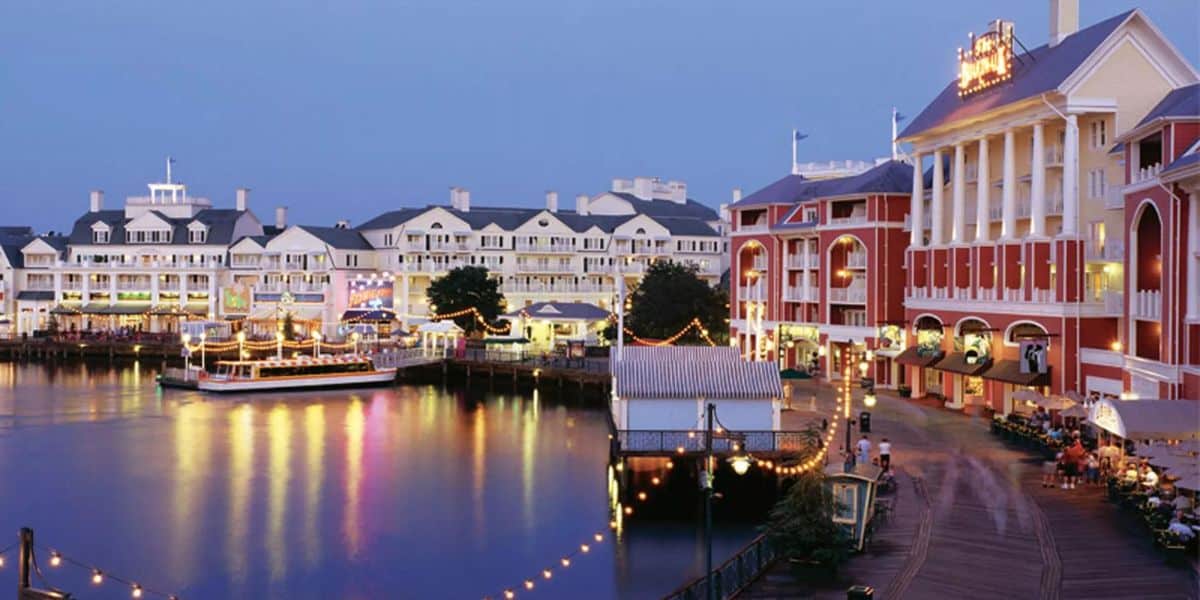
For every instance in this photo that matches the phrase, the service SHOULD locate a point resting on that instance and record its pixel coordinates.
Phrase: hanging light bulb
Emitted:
(529, 584)
(509, 594)
(137, 591)
(598, 537)
(97, 576)
(546, 574)
(584, 548)
(566, 562)
(55, 559)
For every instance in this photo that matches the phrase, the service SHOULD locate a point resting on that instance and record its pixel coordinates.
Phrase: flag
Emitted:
(800, 136)
(899, 117)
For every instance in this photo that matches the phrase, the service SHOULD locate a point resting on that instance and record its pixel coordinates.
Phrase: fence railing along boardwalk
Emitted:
(733, 575)
(638, 441)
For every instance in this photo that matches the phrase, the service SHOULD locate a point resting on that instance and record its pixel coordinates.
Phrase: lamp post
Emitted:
(278, 345)
(354, 338)
(740, 461)
(241, 340)
(203, 336)
(316, 344)
(187, 354)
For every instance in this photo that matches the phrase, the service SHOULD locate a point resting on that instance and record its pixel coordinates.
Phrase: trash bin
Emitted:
(860, 592)
(864, 422)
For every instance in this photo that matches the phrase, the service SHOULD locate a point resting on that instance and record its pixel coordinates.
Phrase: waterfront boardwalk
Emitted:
(971, 520)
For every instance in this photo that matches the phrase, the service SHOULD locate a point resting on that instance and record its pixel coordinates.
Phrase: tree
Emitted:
(464, 288)
(669, 296)
(289, 327)
(801, 526)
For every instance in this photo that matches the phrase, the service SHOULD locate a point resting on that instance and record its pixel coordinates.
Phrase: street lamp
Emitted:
(203, 336)
(187, 354)
(241, 340)
(354, 338)
(740, 462)
(316, 344)
(278, 345)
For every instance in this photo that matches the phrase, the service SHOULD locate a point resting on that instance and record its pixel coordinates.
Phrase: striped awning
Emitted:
(689, 380)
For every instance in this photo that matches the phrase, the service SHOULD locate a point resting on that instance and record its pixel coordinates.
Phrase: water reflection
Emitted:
(413, 491)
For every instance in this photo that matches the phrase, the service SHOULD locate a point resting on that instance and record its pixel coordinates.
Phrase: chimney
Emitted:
(243, 198)
(342, 224)
(1064, 20)
(460, 199)
(97, 204)
(737, 195)
(281, 217)
(643, 188)
(581, 204)
(678, 191)
(552, 201)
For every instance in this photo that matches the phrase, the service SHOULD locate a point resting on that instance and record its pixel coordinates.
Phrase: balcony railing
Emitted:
(676, 442)
(751, 292)
(1145, 173)
(850, 220)
(797, 293)
(551, 267)
(1054, 155)
(853, 295)
(1147, 304)
(1109, 251)
(856, 260)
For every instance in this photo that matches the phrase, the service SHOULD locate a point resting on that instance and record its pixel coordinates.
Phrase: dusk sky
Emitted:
(347, 109)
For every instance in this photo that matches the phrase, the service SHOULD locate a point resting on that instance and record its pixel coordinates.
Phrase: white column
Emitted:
(1037, 183)
(212, 294)
(917, 211)
(57, 289)
(959, 232)
(938, 226)
(1193, 278)
(983, 194)
(85, 286)
(183, 289)
(154, 278)
(1009, 192)
(805, 288)
(1071, 177)
(112, 289)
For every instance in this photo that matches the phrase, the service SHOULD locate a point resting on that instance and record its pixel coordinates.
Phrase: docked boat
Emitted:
(295, 373)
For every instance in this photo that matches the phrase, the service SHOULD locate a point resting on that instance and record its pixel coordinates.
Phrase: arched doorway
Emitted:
(751, 293)
(929, 333)
(973, 341)
(1146, 282)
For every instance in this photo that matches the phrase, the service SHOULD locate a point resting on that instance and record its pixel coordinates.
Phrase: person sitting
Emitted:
(1180, 530)
(1149, 478)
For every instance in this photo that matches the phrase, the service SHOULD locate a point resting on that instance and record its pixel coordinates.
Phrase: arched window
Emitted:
(1023, 330)
(640, 231)
(436, 226)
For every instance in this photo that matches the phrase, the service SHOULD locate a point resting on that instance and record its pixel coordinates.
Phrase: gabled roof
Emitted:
(341, 239)
(571, 311)
(12, 239)
(1036, 72)
(1190, 157)
(688, 227)
(221, 223)
(675, 218)
(684, 380)
(390, 219)
(1181, 102)
(890, 177)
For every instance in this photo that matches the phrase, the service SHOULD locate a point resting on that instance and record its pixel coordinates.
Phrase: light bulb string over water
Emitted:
(97, 575)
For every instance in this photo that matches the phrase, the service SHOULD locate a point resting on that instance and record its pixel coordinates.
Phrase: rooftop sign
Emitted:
(988, 60)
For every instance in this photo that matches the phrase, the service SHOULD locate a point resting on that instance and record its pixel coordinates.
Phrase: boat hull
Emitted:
(379, 377)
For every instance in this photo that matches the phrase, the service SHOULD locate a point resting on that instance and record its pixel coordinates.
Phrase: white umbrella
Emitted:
(1074, 396)
(1177, 465)
(1056, 403)
(1077, 411)
(1189, 483)
(1024, 395)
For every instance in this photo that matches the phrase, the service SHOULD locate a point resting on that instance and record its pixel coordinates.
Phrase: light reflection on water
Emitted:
(413, 491)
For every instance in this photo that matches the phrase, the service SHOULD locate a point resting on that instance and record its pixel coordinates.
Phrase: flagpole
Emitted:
(795, 140)
(895, 150)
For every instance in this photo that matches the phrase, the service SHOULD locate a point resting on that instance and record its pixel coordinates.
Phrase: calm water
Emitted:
(406, 492)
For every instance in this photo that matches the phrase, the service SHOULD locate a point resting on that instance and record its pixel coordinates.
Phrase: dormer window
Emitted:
(100, 232)
(197, 236)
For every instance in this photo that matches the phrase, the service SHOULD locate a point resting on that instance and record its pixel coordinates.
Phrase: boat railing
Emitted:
(392, 359)
(178, 374)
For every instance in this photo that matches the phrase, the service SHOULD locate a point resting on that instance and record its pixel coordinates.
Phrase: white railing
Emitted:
(919, 293)
(940, 293)
(798, 294)
(72, 285)
(168, 285)
(134, 285)
(963, 293)
(39, 284)
(1054, 155)
(1109, 251)
(1047, 296)
(850, 220)
(415, 246)
(856, 295)
(1147, 304)
(551, 267)
(856, 260)
(1145, 173)
(986, 294)
(1114, 302)
(559, 288)
(1014, 295)
(750, 292)
(908, 221)
(760, 264)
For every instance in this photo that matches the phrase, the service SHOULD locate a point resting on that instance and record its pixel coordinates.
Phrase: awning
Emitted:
(443, 327)
(381, 315)
(916, 357)
(956, 362)
(36, 295)
(504, 339)
(65, 309)
(1009, 371)
(1148, 419)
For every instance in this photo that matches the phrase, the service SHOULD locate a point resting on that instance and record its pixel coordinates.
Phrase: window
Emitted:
(1099, 134)
(1097, 184)
(845, 503)
(197, 236)
(99, 237)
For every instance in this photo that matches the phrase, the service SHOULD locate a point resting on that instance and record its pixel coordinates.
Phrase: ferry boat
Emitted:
(295, 373)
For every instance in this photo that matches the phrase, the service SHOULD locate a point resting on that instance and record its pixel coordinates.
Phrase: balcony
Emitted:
(1145, 173)
(1147, 304)
(554, 288)
(856, 260)
(927, 225)
(858, 219)
(168, 285)
(751, 292)
(1109, 251)
(413, 246)
(549, 267)
(760, 264)
(800, 261)
(133, 284)
(545, 247)
(848, 295)
(39, 284)
(1054, 155)
(798, 293)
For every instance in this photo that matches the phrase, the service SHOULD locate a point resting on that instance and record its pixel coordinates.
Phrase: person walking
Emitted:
(885, 454)
(864, 450)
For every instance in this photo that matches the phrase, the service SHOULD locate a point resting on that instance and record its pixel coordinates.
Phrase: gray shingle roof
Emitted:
(1039, 71)
(668, 208)
(509, 219)
(891, 177)
(1181, 102)
(220, 221)
(683, 380)
(562, 310)
(12, 239)
(342, 239)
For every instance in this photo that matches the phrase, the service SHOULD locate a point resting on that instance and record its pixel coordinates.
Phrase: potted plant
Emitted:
(904, 391)
(801, 529)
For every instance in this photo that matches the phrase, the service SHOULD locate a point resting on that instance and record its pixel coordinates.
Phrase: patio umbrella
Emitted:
(1178, 466)
(1077, 411)
(1189, 483)
(1027, 396)
(1056, 403)
(1074, 396)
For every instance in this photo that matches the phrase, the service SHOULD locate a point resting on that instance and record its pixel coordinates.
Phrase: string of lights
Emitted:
(693, 324)
(99, 576)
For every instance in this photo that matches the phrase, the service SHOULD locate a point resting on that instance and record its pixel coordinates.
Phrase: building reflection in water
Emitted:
(193, 440)
(355, 426)
(479, 472)
(279, 432)
(241, 479)
(314, 441)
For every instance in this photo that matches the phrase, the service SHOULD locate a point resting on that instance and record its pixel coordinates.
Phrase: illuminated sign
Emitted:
(236, 298)
(988, 60)
(373, 294)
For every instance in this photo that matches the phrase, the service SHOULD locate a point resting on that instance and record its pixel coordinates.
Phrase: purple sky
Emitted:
(347, 109)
